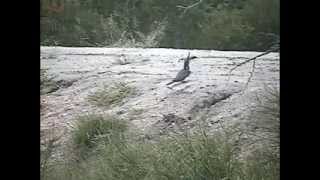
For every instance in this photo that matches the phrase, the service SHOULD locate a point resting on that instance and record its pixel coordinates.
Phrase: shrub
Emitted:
(94, 129)
(197, 156)
(223, 25)
(262, 164)
(108, 153)
(264, 133)
(266, 119)
(48, 146)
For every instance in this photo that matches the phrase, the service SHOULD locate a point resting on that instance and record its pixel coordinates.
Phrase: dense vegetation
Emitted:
(211, 24)
(102, 147)
(101, 150)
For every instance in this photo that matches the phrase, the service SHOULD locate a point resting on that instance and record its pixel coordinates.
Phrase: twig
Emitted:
(186, 8)
(251, 73)
(275, 47)
(251, 59)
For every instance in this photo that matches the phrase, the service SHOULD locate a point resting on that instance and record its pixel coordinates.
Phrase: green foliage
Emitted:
(94, 129)
(113, 95)
(263, 15)
(267, 118)
(226, 30)
(213, 24)
(198, 156)
(48, 146)
(107, 152)
(195, 157)
(263, 165)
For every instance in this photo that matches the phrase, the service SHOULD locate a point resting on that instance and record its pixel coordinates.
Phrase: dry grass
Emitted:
(114, 95)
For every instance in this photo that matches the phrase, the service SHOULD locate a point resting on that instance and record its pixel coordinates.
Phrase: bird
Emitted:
(185, 72)
(187, 61)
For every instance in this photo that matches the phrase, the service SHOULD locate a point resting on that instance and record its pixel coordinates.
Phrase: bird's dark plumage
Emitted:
(185, 72)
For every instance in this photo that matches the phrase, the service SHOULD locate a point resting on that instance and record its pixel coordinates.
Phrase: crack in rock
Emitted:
(136, 72)
(91, 54)
(65, 83)
(210, 101)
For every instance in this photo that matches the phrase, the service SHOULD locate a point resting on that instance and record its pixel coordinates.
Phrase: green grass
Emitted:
(93, 129)
(48, 145)
(107, 96)
(193, 157)
(266, 119)
(105, 149)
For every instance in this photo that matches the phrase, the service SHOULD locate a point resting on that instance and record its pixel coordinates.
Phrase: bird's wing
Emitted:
(182, 75)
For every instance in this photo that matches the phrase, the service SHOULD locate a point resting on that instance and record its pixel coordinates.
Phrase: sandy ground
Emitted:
(210, 91)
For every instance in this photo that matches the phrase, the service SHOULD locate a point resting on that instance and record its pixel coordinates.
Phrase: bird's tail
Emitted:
(170, 82)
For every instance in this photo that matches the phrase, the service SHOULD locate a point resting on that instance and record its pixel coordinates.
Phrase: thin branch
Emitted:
(186, 8)
(275, 47)
(251, 73)
(251, 59)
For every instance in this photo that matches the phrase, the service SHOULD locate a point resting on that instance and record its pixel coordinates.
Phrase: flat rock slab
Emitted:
(210, 91)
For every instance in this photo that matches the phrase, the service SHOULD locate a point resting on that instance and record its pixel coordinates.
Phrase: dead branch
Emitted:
(273, 48)
(251, 59)
(251, 73)
(186, 8)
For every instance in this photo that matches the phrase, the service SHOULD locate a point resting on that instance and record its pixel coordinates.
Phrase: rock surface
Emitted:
(210, 91)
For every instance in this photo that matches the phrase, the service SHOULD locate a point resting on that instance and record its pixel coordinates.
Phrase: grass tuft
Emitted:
(198, 156)
(94, 129)
(107, 151)
(108, 96)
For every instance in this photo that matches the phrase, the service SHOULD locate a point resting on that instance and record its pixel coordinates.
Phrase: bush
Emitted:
(226, 30)
(264, 135)
(107, 151)
(48, 147)
(266, 120)
(94, 129)
(232, 25)
(197, 156)
(263, 164)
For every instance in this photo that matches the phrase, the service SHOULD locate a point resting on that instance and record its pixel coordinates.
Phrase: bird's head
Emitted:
(192, 57)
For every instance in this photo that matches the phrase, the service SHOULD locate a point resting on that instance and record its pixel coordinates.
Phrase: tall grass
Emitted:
(266, 119)
(103, 148)
(93, 129)
(49, 143)
(198, 156)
